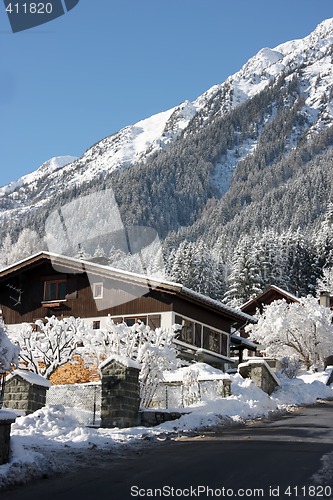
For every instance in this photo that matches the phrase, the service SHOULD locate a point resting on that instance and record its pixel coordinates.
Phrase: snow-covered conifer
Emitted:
(99, 251)
(28, 243)
(325, 282)
(244, 281)
(6, 251)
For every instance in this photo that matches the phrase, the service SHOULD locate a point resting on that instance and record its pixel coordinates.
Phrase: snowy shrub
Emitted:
(302, 329)
(153, 349)
(156, 354)
(8, 352)
(191, 386)
(290, 366)
(50, 345)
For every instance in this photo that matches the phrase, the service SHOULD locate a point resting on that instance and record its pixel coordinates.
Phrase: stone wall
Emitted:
(5, 424)
(120, 393)
(261, 374)
(330, 379)
(20, 394)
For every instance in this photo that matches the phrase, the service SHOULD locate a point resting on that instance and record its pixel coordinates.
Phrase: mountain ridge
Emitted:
(268, 63)
(289, 86)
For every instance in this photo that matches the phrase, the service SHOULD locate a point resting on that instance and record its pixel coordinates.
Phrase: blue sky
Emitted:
(107, 64)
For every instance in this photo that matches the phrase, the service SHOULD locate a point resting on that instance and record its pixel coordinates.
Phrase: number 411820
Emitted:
(29, 8)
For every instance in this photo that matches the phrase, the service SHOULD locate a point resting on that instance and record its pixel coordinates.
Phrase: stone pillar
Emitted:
(25, 391)
(261, 374)
(120, 392)
(330, 379)
(6, 420)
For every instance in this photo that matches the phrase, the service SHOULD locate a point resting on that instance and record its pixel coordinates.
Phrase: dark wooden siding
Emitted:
(128, 299)
(80, 302)
(120, 297)
(266, 298)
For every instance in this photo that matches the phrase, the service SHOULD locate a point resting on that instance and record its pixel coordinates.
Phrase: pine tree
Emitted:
(6, 251)
(244, 281)
(27, 244)
(99, 252)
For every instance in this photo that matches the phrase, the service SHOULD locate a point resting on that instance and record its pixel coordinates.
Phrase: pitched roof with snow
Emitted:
(267, 296)
(80, 266)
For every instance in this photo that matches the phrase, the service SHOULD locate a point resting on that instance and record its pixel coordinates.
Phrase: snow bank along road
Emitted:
(286, 457)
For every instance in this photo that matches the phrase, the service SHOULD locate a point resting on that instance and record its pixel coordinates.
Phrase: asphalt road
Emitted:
(265, 459)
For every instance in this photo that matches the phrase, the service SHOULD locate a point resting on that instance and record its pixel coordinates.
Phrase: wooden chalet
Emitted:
(268, 296)
(271, 294)
(251, 307)
(46, 284)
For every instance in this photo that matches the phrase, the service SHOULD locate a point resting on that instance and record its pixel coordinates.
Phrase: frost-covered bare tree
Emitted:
(49, 345)
(153, 349)
(301, 328)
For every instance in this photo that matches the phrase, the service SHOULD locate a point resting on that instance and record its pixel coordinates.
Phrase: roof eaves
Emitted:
(237, 314)
(85, 265)
(262, 294)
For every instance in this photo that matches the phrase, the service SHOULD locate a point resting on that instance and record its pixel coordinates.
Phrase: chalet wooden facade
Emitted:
(271, 294)
(252, 306)
(52, 285)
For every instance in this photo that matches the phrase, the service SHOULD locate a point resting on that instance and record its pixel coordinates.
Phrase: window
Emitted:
(198, 335)
(118, 321)
(98, 290)
(55, 290)
(202, 336)
(96, 325)
(224, 344)
(152, 320)
(133, 321)
(211, 340)
(186, 334)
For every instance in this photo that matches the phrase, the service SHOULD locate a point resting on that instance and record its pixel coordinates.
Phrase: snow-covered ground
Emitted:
(50, 441)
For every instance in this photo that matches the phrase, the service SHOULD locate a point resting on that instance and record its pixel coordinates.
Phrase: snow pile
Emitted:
(63, 443)
(303, 390)
(247, 402)
(8, 351)
(25, 465)
(201, 370)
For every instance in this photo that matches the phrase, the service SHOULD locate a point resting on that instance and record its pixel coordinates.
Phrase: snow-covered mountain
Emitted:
(309, 61)
(44, 170)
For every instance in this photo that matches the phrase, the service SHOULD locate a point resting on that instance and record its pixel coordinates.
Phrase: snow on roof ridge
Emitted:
(284, 292)
(177, 286)
(93, 264)
(243, 340)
